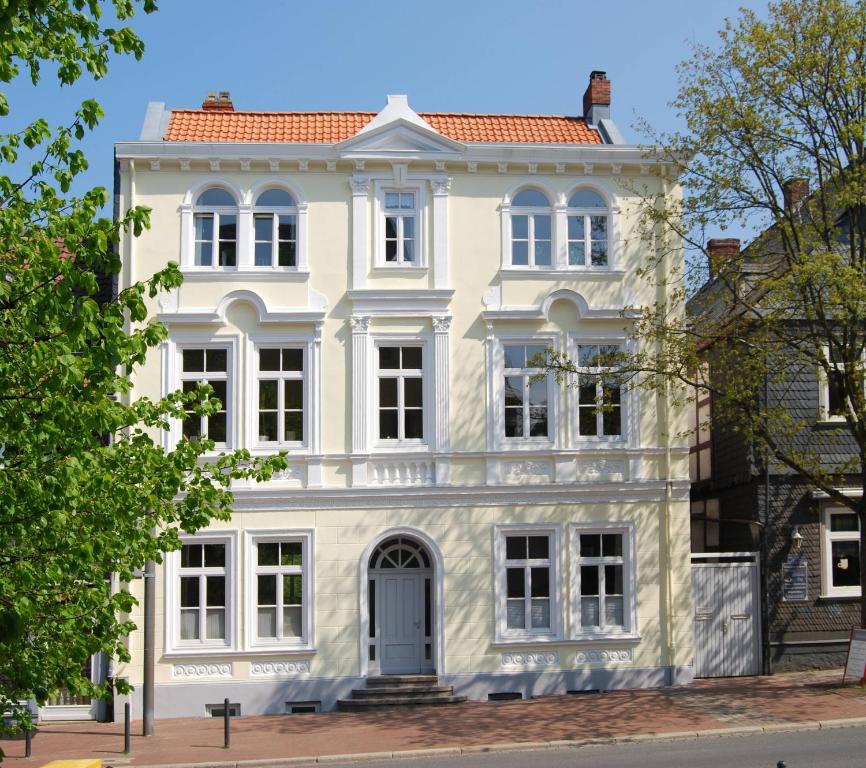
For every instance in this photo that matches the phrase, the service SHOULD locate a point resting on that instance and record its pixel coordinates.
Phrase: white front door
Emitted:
(401, 622)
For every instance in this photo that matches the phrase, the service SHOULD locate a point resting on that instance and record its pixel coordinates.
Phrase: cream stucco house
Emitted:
(365, 292)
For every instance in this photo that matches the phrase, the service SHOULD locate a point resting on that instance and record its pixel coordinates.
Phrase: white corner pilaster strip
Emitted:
(441, 188)
(441, 328)
(360, 193)
(360, 395)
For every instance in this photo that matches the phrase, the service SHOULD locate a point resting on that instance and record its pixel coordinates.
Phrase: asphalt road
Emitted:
(829, 748)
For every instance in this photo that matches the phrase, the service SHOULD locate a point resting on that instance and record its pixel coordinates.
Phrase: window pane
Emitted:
(540, 582)
(513, 390)
(190, 556)
(542, 253)
(293, 359)
(388, 392)
(611, 544)
(539, 547)
(590, 545)
(515, 582)
(268, 429)
(846, 563)
(589, 611)
(286, 228)
(515, 547)
(292, 621)
(836, 392)
(216, 591)
(215, 197)
(575, 254)
(392, 200)
(407, 200)
(586, 198)
(587, 422)
(515, 356)
(293, 589)
(538, 422)
(409, 227)
(269, 359)
(613, 580)
(613, 612)
(540, 610)
(414, 425)
(412, 358)
(204, 254)
(275, 198)
(520, 227)
(391, 227)
(599, 254)
(293, 394)
(514, 422)
(228, 227)
(534, 354)
(294, 427)
(587, 355)
(204, 227)
(267, 590)
(267, 622)
(520, 253)
(217, 360)
(388, 425)
(843, 522)
(268, 552)
(412, 392)
(189, 592)
(264, 227)
(215, 624)
(538, 393)
(214, 555)
(189, 625)
(193, 360)
(530, 198)
(287, 254)
(589, 580)
(409, 251)
(191, 428)
(575, 227)
(216, 427)
(264, 255)
(542, 227)
(612, 421)
(515, 614)
(227, 254)
(291, 553)
(598, 227)
(268, 394)
(389, 357)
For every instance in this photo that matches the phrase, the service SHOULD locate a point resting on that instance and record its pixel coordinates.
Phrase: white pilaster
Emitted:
(441, 327)
(316, 388)
(186, 236)
(441, 187)
(360, 193)
(560, 235)
(360, 394)
(245, 232)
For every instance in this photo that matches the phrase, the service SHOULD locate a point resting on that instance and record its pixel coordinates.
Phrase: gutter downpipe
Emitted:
(147, 693)
(766, 660)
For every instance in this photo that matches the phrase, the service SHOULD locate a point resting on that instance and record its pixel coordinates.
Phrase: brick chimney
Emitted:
(218, 102)
(720, 251)
(794, 191)
(596, 99)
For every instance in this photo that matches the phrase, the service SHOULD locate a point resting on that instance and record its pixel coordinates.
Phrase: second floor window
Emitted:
(400, 377)
(599, 397)
(527, 412)
(531, 230)
(587, 230)
(210, 366)
(215, 222)
(281, 395)
(275, 224)
(203, 593)
(401, 218)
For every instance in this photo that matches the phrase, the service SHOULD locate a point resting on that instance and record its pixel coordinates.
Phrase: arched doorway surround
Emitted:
(401, 601)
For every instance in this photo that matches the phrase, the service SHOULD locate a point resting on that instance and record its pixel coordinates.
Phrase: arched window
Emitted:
(399, 552)
(588, 228)
(216, 229)
(275, 222)
(531, 230)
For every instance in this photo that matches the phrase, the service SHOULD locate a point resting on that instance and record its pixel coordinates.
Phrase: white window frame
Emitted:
(497, 414)
(824, 414)
(531, 212)
(380, 189)
(275, 212)
(623, 437)
(506, 636)
(627, 530)
(527, 374)
(257, 375)
(827, 539)
(202, 647)
(586, 214)
(253, 537)
(427, 386)
(215, 212)
(178, 376)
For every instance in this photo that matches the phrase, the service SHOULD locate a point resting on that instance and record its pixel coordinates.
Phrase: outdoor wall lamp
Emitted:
(796, 538)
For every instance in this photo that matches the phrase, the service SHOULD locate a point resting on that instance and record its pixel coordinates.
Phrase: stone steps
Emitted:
(394, 691)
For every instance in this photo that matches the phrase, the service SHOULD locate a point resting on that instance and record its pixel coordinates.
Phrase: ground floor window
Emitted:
(841, 552)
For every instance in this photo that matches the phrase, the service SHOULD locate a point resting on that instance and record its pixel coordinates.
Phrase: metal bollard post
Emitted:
(28, 743)
(227, 732)
(781, 764)
(127, 732)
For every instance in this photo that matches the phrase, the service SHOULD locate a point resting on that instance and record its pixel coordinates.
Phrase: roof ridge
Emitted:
(364, 113)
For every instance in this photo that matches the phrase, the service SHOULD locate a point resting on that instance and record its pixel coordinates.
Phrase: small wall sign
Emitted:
(795, 580)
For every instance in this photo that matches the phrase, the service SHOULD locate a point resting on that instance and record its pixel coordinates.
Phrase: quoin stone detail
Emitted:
(542, 659)
(607, 656)
(279, 668)
(200, 671)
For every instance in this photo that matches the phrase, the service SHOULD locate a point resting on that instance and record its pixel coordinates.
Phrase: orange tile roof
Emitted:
(333, 127)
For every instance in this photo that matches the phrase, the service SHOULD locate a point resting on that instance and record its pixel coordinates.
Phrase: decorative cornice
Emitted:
(245, 163)
(154, 165)
(184, 163)
(502, 167)
(214, 163)
(222, 669)
(303, 165)
(587, 169)
(440, 166)
(532, 167)
(330, 165)
(595, 656)
(273, 165)
(279, 668)
(472, 166)
(560, 167)
(398, 302)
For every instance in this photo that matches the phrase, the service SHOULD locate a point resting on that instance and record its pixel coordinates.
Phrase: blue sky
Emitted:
(469, 56)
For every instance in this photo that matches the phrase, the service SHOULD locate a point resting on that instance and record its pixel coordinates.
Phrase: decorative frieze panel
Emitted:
(602, 469)
(207, 671)
(527, 469)
(393, 472)
(279, 668)
(600, 656)
(294, 474)
(531, 659)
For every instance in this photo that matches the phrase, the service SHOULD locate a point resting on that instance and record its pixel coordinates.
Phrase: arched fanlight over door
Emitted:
(399, 552)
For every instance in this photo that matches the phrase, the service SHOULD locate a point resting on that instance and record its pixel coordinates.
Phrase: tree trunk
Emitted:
(861, 517)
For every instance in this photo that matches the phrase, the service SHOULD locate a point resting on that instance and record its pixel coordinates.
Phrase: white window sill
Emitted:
(853, 594)
(392, 448)
(291, 449)
(505, 642)
(207, 274)
(281, 650)
(209, 650)
(583, 640)
(618, 443)
(830, 420)
(547, 273)
(408, 268)
(518, 444)
(605, 637)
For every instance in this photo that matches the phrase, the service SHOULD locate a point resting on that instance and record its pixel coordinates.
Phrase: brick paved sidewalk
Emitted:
(708, 705)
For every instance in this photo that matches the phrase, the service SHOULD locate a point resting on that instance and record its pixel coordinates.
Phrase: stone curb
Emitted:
(520, 746)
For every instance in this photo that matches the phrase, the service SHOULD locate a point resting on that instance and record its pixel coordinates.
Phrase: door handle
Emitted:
(417, 623)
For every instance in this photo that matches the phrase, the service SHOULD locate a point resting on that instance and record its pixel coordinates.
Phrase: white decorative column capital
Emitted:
(441, 186)
(360, 324)
(442, 324)
(360, 184)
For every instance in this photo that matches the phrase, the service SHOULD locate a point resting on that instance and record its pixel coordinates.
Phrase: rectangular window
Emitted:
(599, 397)
(400, 377)
(586, 251)
(275, 233)
(531, 240)
(526, 569)
(216, 232)
(209, 365)
(400, 223)
(203, 589)
(281, 385)
(604, 575)
(833, 403)
(526, 397)
(279, 585)
(841, 552)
